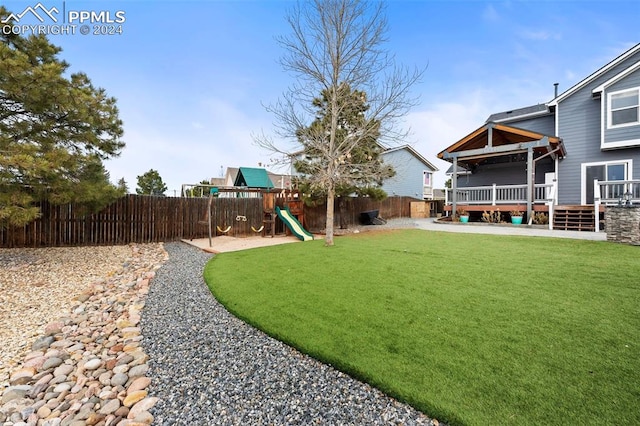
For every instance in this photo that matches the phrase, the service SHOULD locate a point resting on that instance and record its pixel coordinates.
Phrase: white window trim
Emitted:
(628, 174)
(610, 112)
(424, 172)
(604, 124)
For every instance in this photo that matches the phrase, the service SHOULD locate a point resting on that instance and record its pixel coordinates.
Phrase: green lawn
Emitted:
(470, 329)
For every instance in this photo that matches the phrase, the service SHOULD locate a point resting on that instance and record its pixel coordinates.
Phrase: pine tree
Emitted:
(150, 183)
(56, 129)
(356, 165)
(122, 186)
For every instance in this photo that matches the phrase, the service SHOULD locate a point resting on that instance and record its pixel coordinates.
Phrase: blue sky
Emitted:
(191, 77)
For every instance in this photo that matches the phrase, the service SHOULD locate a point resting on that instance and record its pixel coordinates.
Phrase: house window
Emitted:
(426, 178)
(624, 107)
(612, 171)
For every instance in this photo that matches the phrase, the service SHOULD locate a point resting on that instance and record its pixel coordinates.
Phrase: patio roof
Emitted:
(498, 140)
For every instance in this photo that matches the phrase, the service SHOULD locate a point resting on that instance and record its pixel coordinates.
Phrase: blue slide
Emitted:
(293, 224)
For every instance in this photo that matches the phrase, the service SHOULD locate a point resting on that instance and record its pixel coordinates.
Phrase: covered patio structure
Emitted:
(493, 143)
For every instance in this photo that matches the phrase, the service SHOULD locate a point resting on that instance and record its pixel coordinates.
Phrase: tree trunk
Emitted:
(328, 238)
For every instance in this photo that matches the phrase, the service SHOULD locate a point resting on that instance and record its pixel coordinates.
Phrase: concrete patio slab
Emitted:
(224, 243)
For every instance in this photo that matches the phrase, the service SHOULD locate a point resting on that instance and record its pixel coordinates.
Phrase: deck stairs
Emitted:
(574, 218)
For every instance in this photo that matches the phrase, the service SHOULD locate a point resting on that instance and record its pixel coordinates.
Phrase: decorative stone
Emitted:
(130, 347)
(130, 332)
(52, 362)
(92, 364)
(15, 392)
(139, 383)
(116, 348)
(43, 343)
(44, 379)
(94, 349)
(139, 370)
(35, 362)
(124, 359)
(623, 224)
(63, 370)
(105, 378)
(37, 389)
(133, 397)
(143, 405)
(44, 412)
(110, 363)
(124, 323)
(107, 394)
(76, 347)
(53, 328)
(144, 417)
(58, 379)
(110, 407)
(26, 412)
(33, 354)
(22, 376)
(94, 418)
(122, 411)
(119, 379)
(119, 369)
(62, 387)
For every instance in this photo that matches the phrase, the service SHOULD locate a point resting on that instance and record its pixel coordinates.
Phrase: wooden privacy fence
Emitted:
(349, 215)
(145, 219)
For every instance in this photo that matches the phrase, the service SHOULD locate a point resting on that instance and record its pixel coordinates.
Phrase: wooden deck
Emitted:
(565, 218)
(502, 207)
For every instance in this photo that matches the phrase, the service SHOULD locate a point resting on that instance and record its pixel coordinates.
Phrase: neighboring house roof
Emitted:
(230, 176)
(217, 181)
(526, 112)
(253, 178)
(414, 153)
(280, 180)
(595, 75)
(461, 171)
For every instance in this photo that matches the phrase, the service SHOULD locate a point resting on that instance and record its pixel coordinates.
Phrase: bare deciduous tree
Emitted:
(336, 44)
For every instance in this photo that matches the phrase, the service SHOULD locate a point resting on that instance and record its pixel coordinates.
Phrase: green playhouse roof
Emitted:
(253, 178)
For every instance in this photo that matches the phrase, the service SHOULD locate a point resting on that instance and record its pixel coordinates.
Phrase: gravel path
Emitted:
(207, 367)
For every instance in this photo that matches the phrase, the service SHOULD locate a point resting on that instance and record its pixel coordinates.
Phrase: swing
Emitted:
(224, 231)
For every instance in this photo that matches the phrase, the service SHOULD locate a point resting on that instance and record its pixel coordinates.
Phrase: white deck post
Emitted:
(596, 204)
(454, 187)
(530, 188)
(493, 195)
(551, 202)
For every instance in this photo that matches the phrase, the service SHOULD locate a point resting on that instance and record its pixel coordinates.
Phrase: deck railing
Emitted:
(614, 192)
(500, 194)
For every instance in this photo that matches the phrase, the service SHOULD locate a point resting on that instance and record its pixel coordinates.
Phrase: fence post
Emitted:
(493, 194)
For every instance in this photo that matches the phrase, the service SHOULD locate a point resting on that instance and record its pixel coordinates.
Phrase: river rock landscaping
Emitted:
(86, 366)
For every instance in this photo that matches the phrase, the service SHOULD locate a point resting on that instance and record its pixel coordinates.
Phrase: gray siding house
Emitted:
(414, 173)
(573, 153)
